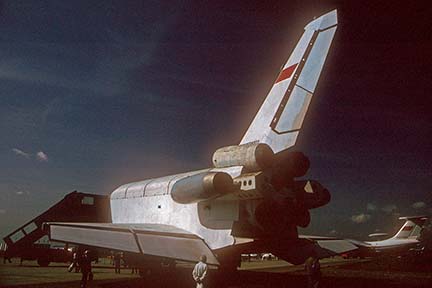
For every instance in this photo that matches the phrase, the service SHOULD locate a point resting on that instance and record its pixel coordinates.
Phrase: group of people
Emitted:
(312, 267)
(82, 262)
(118, 258)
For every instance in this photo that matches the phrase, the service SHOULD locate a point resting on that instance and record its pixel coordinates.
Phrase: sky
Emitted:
(95, 94)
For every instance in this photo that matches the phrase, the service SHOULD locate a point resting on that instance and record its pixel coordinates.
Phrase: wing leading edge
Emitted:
(146, 239)
(330, 246)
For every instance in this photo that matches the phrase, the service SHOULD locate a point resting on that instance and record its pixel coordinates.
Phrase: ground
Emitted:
(336, 273)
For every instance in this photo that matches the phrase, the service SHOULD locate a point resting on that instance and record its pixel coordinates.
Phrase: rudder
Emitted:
(411, 228)
(280, 117)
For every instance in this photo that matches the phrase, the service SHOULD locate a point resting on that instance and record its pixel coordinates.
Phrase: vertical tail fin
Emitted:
(411, 228)
(280, 117)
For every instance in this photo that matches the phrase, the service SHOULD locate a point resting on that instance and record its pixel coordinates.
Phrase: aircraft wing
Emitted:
(329, 246)
(147, 239)
(359, 243)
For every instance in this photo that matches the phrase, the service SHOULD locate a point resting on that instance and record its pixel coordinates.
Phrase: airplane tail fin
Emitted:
(280, 117)
(412, 227)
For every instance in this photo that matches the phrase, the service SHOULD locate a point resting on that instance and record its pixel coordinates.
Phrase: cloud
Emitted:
(20, 153)
(360, 218)
(22, 192)
(389, 208)
(107, 77)
(41, 156)
(418, 205)
(371, 207)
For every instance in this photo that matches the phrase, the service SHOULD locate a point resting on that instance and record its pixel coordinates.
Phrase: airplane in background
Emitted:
(249, 201)
(406, 239)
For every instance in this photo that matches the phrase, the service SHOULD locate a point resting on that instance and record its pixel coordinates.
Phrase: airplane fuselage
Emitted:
(252, 191)
(221, 205)
(150, 201)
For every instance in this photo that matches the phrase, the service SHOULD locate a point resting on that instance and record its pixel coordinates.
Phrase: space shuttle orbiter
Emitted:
(249, 200)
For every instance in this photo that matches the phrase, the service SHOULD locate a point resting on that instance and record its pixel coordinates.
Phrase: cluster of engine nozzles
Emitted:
(259, 157)
(208, 185)
(252, 157)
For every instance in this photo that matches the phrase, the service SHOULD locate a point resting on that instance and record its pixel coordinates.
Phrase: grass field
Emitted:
(259, 274)
(31, 273)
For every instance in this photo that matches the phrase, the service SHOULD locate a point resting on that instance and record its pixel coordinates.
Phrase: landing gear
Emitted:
(145, 272)
(230, 264)
(153, 270)
(227, 272)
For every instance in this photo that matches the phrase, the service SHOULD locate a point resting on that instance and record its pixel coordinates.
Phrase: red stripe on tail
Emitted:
(407, 228)
(286, 73)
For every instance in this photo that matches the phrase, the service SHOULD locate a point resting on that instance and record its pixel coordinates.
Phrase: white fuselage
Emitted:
(392, 243)
(150, 201)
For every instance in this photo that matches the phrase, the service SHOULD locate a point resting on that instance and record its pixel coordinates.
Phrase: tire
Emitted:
(43, 262)
(148, 272)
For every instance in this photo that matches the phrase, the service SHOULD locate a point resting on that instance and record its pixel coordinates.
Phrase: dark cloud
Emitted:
(389, 208)
(419, 205)
(360, 218)
(116, 91)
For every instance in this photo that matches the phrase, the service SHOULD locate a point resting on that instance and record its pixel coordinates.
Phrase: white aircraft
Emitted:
(248, 201)
(408, 237)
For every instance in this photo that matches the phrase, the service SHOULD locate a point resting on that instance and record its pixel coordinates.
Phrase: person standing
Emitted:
(75, 261)
(117, 262)
(85, 264)
(199, 272)
(134, 267)
(313, 271)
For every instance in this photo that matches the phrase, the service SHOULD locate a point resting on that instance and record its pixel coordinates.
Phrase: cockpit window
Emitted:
(30, 228)
(17, 236)
(87, 200)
